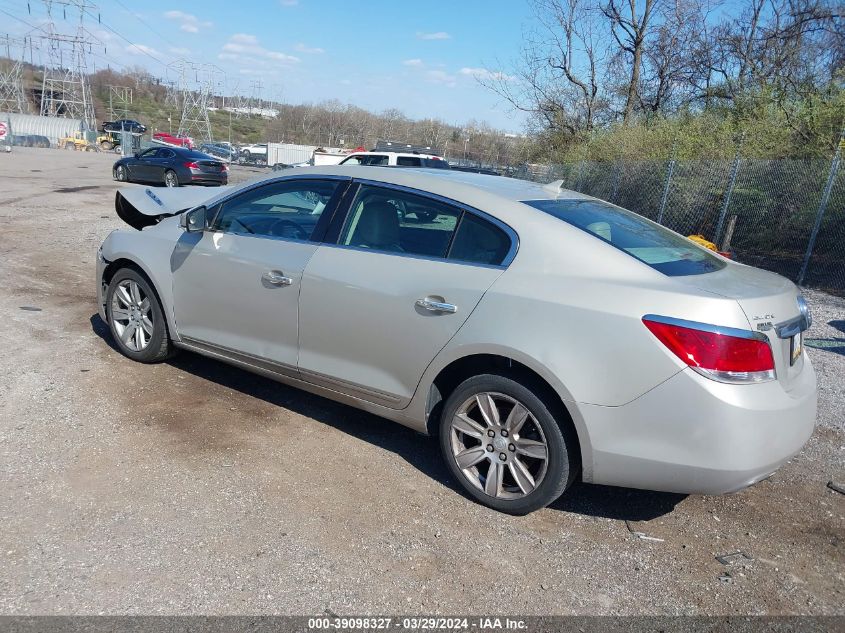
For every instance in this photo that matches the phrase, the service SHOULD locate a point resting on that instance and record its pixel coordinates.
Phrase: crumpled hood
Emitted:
(144, 206)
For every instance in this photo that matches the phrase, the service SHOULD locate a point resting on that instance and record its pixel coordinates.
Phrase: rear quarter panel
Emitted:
(570, 307)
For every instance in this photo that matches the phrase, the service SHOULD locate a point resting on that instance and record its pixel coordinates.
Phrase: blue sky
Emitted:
(419, 57)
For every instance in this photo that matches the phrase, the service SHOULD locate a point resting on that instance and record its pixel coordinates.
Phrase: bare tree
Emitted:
(630, 22)
(558, 77)
(670, 58)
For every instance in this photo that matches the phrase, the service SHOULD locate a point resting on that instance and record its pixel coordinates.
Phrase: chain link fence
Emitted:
(787, 216)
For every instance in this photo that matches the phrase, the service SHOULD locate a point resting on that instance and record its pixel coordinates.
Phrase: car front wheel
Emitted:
(120, 174)
(503, 444)
(135, 318)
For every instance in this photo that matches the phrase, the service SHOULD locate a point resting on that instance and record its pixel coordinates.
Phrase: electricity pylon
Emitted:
(64, 86)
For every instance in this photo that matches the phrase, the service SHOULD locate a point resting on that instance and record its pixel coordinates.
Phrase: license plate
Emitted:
(796, 346)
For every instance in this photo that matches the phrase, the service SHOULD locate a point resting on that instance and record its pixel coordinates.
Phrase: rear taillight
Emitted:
(192, 165)
(723, 354)
(225, 167)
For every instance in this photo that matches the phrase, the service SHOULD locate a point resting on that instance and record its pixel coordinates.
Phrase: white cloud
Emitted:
(302, 48)
(141, 49)
(188, 22)
(416, 63)
(439, 35)
(440, 77)
(180, 51)
(483, 73)
(245, 50)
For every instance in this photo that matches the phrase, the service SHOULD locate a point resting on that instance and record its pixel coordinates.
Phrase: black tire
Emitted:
(120, 174)
(106, 146)
(170, 178)
(159, 346)
(562, 463)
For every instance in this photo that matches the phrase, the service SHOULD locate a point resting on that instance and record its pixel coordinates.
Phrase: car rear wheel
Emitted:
(120, 173)
(502, 443)
(170, 178)
(135, 318)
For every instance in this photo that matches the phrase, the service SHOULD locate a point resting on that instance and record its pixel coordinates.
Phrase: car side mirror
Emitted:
(195, 220)
(137, 154)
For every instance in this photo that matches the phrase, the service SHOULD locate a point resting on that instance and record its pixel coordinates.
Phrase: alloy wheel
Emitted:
(131, 314)
(499, 446)
(121, 173)
(170, 179)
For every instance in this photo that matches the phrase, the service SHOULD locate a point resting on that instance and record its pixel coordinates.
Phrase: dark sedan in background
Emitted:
(171, 166)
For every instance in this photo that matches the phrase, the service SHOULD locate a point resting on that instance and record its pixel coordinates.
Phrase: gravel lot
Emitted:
(192, 487)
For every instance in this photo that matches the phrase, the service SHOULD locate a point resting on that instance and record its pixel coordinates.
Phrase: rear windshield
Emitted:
(195, 155)
(650, 243)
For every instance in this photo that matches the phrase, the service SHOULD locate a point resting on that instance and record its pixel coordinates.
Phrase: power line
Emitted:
(138, 47)
(34, 27)
(142, 21)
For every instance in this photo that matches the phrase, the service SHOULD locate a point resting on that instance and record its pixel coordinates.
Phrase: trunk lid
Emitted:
(771, 304)
(210, 166)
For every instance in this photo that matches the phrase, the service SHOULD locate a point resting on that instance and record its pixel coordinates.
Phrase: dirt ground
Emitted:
(192, 487)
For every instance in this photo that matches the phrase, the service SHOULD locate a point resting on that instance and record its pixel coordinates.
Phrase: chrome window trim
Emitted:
(276, 238)
(509, 231)
(427, 258)
(707, 327)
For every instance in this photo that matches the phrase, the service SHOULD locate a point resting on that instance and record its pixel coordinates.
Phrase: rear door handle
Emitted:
(436, 306)
(277, 278)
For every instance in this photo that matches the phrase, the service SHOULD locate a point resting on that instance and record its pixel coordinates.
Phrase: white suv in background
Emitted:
(395, 159)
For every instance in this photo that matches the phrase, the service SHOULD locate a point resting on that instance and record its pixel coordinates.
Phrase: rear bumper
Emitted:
(204, 178)
(694, 435)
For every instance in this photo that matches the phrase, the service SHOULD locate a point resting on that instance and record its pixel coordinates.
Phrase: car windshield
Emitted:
(650, 243)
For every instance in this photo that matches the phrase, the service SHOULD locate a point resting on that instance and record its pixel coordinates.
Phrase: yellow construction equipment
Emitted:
(77, 141)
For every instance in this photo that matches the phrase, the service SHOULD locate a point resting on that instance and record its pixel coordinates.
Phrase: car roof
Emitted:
(458, 185)
(378, 152)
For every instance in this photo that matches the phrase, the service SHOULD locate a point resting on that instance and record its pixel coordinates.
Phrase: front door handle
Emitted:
(436, 306)
(277, 278)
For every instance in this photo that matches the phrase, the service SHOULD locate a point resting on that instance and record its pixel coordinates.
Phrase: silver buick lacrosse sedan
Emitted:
(541, 334)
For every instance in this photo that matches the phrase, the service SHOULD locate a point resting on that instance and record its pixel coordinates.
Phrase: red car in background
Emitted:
(179, 141)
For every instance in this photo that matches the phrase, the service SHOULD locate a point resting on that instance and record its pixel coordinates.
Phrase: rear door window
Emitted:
(394, 221)
(407, 161)
(644, 240)
(479, 242)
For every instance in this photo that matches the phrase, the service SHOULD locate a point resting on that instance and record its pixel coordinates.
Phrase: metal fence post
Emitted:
(577, 186)
(665, 198)
(727, 201)
(617, 176)
(831, 177)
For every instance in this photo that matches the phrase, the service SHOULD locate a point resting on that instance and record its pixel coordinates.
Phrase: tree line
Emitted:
(589, 69)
